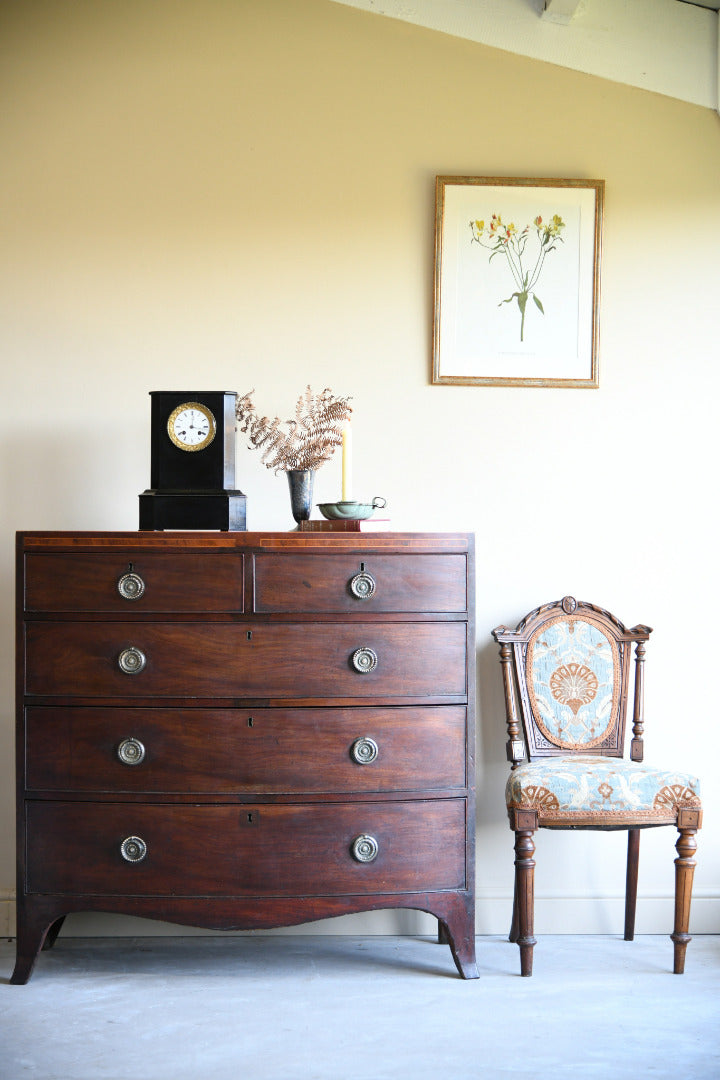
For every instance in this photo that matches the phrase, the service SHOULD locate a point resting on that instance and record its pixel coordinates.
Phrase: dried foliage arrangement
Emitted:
(302, 443)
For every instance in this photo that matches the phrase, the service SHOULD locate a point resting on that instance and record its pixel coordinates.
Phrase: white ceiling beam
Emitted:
(667, 47)
(560, 11)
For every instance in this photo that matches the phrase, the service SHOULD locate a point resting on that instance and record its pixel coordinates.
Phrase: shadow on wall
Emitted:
(491, 762)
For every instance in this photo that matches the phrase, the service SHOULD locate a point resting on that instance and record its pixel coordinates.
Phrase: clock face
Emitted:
(191, 426)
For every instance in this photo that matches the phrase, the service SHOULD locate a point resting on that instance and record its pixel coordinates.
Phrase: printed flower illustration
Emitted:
(502, 239)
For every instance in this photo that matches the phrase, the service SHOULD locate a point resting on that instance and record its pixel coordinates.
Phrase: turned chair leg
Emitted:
(631, 882)
(514, 927)
(524, 898)
(684, 871)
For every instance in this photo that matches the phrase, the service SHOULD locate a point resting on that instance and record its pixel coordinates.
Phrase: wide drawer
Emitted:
(249, 850)
(360, 582)
(183, 582)
(232, 750)
(193, 660)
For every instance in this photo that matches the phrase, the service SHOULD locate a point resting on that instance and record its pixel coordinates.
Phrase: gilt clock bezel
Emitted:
(209, 416)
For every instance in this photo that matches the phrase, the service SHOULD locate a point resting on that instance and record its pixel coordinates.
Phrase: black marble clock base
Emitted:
(224, 510)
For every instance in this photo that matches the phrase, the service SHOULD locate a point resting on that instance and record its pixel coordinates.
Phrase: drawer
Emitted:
(359, 583)
(250, 850)
(265, 660)
(251, 752)
(183, 582)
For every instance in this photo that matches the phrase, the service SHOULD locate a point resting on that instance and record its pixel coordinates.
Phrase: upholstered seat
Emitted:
(594, 791)
(567, 667)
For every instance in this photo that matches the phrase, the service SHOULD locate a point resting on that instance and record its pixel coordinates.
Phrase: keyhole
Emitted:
(250, 721)
(249, 635)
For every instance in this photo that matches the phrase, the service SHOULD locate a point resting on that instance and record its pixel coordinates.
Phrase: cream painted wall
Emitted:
(230, 194)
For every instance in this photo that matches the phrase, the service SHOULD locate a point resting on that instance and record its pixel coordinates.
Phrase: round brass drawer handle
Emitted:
(363, 585)
(364, 660)
(364, 750)
(131, 661)
(133, 849)
(365, 848)
(131, 586)
(131, 751)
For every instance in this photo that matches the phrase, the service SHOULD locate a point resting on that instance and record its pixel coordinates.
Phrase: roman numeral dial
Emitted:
(191, 426)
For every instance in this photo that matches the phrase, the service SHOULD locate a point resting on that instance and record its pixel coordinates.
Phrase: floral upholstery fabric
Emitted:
(573, 682)
(586, 790)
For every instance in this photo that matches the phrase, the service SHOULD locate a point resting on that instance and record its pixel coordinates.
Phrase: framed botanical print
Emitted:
(517, 281)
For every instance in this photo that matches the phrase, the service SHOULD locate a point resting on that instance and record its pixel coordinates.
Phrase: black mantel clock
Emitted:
(192, 463)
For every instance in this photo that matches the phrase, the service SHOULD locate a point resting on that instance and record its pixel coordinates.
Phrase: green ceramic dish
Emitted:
(349, 510)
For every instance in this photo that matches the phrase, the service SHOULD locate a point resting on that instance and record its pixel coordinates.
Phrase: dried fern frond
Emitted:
(305, 442)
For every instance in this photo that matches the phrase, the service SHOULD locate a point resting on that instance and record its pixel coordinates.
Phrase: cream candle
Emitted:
(347, 463)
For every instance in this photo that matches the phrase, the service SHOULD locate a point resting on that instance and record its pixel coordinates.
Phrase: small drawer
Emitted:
(57, 582)
(265, 660)
(136, 849)
(226, 751)
(360, 583)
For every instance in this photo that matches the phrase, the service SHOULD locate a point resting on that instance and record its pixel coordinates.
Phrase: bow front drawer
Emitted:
(149, 581)
(245, 751)
(328, 660)
(360, 583)
(125, 849)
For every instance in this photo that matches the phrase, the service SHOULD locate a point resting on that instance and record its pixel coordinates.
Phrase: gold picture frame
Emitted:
(517, 281)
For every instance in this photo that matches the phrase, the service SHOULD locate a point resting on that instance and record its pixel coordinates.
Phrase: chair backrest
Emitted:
(568, 664)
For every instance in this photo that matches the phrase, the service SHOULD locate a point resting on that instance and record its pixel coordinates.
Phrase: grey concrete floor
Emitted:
(351, 1008)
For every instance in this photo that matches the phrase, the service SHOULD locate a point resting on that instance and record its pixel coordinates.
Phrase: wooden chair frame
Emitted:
(526, 737)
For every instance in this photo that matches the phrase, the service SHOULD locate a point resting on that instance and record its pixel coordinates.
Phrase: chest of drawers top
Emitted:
(254, 574)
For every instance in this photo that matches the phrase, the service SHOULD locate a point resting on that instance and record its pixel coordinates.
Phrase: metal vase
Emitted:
(301, 492)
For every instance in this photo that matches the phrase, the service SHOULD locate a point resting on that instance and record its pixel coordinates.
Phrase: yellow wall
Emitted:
(227, 194)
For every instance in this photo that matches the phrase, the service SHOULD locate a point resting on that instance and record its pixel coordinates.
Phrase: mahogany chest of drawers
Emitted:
(244, 730)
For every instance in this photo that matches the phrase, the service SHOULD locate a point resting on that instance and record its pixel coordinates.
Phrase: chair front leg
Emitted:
(631, 882)
(514, 927)
(524, 824)
(684, 871)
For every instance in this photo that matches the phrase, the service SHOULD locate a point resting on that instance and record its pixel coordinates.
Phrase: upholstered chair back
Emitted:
(572, 664)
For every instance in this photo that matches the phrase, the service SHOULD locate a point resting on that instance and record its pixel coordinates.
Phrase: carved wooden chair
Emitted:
(568, 666)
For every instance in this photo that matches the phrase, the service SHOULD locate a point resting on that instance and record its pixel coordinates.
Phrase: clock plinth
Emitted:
(223, 510)
(192, 463)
